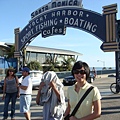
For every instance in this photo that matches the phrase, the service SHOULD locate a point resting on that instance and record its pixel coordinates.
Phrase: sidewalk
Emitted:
(110, 103)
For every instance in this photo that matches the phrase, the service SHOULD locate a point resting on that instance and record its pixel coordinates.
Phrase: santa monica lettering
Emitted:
(57, 3)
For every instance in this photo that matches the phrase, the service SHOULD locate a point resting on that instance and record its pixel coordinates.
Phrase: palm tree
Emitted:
(10, 54)
(67, 63)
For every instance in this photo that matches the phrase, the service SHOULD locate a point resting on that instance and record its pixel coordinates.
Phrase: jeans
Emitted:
(10, 97)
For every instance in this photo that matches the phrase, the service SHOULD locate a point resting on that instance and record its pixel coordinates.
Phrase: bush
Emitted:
(104, 68)
(34, 65)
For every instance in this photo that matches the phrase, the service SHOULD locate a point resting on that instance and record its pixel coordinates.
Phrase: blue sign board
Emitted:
(54, 22)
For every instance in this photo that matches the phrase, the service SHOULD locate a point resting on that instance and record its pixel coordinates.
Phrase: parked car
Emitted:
(70, 80)
(35, 76)
(19, 74)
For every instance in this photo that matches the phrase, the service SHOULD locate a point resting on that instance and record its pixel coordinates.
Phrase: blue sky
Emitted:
(17, 13)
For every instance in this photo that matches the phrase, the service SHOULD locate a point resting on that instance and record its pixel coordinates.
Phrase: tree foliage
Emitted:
(34, 65)
(11, 52)
(67, 63)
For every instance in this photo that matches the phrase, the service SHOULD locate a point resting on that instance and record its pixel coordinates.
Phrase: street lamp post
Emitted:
(103, 65)
(102, 62)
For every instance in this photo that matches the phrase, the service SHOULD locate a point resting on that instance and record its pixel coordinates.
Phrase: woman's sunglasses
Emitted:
(79, 71)
(11, 71)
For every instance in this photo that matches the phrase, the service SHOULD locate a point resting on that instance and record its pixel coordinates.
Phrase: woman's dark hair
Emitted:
(10, 69)
(79, 65)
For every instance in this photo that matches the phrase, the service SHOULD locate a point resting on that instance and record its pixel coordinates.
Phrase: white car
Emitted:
(36, 77)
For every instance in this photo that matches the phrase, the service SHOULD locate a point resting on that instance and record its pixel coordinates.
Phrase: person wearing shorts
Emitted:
(25, 93)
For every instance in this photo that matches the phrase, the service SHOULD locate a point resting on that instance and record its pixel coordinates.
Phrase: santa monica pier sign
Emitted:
(54, 17)
(56, 3)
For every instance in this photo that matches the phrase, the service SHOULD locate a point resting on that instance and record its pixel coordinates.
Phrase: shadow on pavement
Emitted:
(111, 97)
(110, 112)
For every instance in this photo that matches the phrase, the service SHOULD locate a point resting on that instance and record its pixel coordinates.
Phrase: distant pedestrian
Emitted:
(94, 72)
(21, 66)
(51, 96)
(90, 108)
(25, 93)
(10, 93)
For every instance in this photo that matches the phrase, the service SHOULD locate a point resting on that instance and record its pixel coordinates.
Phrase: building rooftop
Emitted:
(46, 50)
(51, 50)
